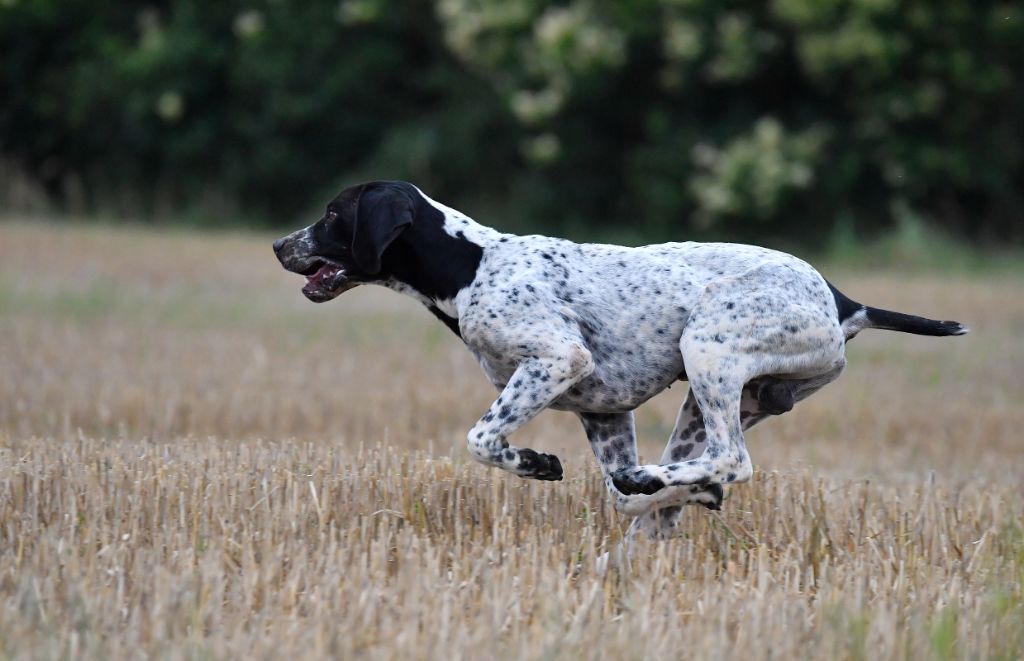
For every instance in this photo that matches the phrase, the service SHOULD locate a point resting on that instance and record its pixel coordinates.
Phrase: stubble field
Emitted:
(195, 462)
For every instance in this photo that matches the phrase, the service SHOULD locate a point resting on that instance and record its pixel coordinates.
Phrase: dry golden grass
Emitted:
(196, 462)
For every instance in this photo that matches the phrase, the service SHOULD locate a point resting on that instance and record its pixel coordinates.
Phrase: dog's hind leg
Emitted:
(762, 398)
(686, 442)
(777, 338)
(724, 459)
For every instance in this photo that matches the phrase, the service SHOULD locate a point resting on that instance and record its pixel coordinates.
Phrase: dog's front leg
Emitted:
(535, 384)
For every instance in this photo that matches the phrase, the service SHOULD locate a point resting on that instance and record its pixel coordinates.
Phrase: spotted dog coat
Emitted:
(600, 329)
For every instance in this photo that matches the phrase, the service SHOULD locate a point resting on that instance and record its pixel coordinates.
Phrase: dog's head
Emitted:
(344, 248)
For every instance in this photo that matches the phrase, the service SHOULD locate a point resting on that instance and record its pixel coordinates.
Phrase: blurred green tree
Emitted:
(647, 119)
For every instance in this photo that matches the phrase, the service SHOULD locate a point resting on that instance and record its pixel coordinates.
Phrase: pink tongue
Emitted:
(323, 272)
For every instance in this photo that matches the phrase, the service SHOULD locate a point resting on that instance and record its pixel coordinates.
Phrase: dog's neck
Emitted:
(437, 257)
(458, 225)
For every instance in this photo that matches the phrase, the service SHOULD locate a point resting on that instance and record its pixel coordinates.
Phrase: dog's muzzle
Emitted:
(325, 279)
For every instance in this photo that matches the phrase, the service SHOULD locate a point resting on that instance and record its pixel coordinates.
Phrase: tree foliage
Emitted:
(656, 118)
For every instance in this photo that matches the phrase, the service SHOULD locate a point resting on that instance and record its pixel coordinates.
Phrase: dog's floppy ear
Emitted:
(382, 213)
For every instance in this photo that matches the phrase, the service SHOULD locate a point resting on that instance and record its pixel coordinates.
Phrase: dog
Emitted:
(600, 329)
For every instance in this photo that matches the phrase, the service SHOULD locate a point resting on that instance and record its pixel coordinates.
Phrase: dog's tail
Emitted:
(908, 323)
(855, 317)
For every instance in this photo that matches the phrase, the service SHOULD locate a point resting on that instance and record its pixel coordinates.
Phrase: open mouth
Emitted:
(324, 281)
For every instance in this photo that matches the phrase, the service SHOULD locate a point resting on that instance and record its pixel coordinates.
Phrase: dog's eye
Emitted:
(332, 215)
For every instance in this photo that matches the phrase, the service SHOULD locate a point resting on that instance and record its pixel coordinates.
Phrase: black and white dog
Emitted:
(599, 330)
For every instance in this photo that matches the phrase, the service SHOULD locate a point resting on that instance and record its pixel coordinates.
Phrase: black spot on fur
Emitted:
(681, 452)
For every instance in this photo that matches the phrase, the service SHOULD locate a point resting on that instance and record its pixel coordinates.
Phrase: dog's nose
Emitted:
(279, 244)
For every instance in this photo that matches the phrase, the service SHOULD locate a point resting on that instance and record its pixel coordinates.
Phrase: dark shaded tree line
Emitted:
(648, 118)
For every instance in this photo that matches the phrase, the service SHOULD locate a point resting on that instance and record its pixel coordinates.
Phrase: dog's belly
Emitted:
(622, 379)
(596, 394)
(625, 378)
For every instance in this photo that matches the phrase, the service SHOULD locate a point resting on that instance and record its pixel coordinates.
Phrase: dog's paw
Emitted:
(670, 496)
(633, 481)
(539, 466)
(710, 496)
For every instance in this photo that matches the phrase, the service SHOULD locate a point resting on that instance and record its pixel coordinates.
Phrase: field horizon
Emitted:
(197, 462)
